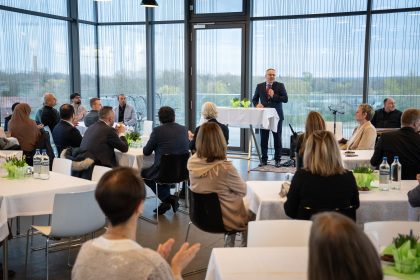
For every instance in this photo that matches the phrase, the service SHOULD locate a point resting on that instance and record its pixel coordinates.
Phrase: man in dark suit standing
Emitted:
(271, 94)
(404, 143)
(101, 138)
(168, 138)
(64, 133)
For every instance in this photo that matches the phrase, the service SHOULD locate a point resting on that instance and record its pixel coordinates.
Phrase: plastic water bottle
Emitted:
(384, 175)
(45, 166)
(396, 174)
(37, 164)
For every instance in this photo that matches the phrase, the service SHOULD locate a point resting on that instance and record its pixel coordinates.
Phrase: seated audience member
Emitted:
(7, 119)
(404, 143)
(364, 135)
(323, 183)
(101, 138)
(116, 254)
(336, 247)
(388, 116)
(93, 115)
(210, 172)
(79, 110)
(49, 115)
(314, 122)
(414, 195)
(125, 113)
(64, 133)
(209, 112)
(168, 138)
(24, 129)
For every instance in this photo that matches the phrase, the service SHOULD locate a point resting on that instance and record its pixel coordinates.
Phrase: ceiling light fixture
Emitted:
(149, 3)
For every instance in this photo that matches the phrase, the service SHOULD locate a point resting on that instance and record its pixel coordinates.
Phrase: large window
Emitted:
(218, 6)
(34, 59)
(88, 66)
(120, 11)
(55, 7)
(122, 65)
(169, 10)
(320, 62)
(394, 69)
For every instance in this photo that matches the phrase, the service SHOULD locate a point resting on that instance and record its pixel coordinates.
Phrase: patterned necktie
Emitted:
(268, 91)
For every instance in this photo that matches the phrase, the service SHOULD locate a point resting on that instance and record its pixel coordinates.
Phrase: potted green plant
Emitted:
(12, 165)
(235, 102)
(364, 177)
(132, 137)
(245, 102)
(405, 252)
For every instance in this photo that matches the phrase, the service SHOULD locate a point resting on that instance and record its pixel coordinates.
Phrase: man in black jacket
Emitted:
(101, 138)
(388, 116)
(64, 133)
(49, 115)
(404, 143)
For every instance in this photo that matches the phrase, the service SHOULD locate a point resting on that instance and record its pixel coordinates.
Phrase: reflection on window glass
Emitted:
(265, 8)
(88, 78)
(169, 10)
(169, 69)
(34, 59)
(122, 66)
(55, 7)
(218, 6)
(320, 62)
(218, 79)
(394, 68)
(393, 4)
(121, 11)
(86, 10)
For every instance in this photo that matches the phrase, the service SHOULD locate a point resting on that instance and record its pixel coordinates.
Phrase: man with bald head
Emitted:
(48, 115)
(387, 117)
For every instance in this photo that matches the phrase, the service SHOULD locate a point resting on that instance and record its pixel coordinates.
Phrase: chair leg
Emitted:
(47, 247)
(32, 236)
(157, 198)
(188, 231)
(18, 225)
(27, 249)
(68, 255)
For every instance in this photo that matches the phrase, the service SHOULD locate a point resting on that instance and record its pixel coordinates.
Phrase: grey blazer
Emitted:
(130, 117)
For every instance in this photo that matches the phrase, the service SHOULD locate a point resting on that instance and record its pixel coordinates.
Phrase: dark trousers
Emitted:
(163, 190)
(265, 133)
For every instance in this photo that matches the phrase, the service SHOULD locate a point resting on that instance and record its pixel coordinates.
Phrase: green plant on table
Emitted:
(245, 102)
(235, 102)
(406, 252)
(364, 176)
(132, 137)
(13, 163)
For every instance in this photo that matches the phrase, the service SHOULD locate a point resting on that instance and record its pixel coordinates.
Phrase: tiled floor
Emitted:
(148, 235)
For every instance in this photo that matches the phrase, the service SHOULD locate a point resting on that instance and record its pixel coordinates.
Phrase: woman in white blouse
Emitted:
(116, 254)
(364, 135)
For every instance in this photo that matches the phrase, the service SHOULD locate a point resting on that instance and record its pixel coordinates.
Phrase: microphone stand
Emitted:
(334, 112)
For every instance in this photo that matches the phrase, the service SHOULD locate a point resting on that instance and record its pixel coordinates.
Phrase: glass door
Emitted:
(218, 71)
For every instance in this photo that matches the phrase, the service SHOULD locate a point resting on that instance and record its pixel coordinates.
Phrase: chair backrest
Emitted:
(62, 165)
(387, 230)
(173, 169)
(98, 171)
(338, 129)
(147, 128)
(76, 214)
(279, 233)
(205, 212)
(306, 213)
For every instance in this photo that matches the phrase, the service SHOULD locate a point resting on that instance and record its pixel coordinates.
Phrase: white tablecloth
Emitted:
(4, 155)
(134, 158)
(266, 118)
(362, 159)
(288, 263)
(82, 128)
(264, 200)
(35, 197)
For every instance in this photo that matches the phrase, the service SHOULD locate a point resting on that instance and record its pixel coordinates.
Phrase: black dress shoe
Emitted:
(277, 163)
(163, 207)
(263, 163)
(173, 201)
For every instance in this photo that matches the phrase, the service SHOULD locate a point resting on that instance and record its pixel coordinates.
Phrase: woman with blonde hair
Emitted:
(339, 249)
(364, 135)
(210, 172)
(323, 183)
(209, 113)
(314, 122)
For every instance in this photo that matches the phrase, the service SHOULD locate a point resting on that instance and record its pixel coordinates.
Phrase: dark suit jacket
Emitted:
(50, 117)
(91, 118)
(279, 97)
(405, 144)
(224, 128)
(101, 139)
(381, 119)
(168, 138)
(65, 135)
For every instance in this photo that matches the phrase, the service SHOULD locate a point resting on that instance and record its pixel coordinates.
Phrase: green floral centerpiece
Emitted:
(406, 252)
(364, 176)
(235, 102)
(12, 165)
(245, 103)
(132, 137)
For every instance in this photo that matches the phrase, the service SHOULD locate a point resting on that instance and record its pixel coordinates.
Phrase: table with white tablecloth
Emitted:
(134, 158)
(356, 159)
(288, 263)
(29, 197)
(264, 200)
